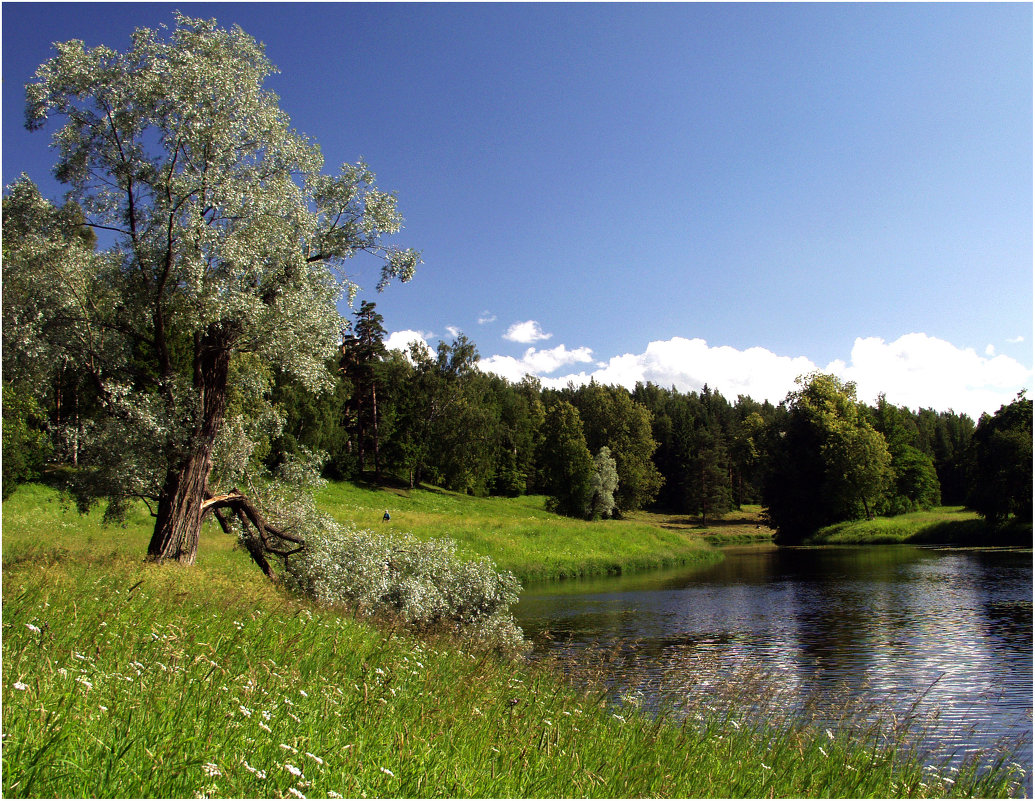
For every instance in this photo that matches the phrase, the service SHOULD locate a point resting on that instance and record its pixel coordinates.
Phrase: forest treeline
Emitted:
(596, 451)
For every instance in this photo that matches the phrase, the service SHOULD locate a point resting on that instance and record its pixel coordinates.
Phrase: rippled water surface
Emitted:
(939, 636)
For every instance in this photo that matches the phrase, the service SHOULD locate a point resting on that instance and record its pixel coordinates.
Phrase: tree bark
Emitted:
(178, 524)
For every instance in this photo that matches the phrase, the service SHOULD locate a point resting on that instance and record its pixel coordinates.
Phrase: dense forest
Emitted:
(819, 457)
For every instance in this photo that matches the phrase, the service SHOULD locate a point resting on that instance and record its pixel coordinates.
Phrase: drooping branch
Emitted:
(258, 535)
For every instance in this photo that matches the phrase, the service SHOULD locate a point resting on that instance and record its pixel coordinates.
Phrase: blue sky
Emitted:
(684, 193)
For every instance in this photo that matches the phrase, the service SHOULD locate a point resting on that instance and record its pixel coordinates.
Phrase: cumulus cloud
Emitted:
(916, 371)
(486, 317)
(920, 371)
(689, 364)
(400, 340)
(526, 333)
(536, 362)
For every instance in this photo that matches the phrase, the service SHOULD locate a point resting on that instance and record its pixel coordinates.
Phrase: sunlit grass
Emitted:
(945, 524)
(518, 533)
(123, 679)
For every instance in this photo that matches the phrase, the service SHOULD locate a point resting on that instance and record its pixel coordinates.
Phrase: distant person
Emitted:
(387, 517)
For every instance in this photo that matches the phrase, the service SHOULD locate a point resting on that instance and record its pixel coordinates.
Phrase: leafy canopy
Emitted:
(221, 233)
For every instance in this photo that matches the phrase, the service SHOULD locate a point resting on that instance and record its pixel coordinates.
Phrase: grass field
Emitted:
(124, 679)
(518, 533)
(944, 525)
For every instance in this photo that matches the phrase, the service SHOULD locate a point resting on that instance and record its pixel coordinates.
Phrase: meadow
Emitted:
(123, 679)
(944, 525)
(518, 533)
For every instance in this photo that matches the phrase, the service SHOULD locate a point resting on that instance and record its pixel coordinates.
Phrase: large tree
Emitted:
(1001, 464)
(826, 462)
(226, 239)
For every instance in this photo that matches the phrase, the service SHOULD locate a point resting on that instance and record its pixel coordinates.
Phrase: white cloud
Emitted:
(920, 371)
(990, 349)
(454, 332)
(689, 364)
(526, 333)
(1015, 340)
(536, 362)
(916, 371)
(486, 317)
(400, 340)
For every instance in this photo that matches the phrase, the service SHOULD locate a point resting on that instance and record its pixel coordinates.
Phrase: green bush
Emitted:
(26, 446)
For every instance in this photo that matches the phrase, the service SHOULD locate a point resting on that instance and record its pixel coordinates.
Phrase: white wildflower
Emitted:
(287, 747)
(303, 693)
(388, 772)
(764, 766)
(20, 686)
(32, 628)
(102, 707)
(332, 794)
(292, 769)
(296, 793)
(211, 769)
(88, 685)
(314, 757)
(245, 711)
(265, 728)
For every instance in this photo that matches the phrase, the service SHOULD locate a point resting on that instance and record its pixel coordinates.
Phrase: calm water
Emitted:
(938, 636)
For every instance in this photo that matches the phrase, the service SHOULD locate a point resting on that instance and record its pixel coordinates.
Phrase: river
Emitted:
(939, 640)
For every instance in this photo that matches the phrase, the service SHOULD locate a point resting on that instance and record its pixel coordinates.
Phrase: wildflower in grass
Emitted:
(764, 766)
(332, 794)
(314, 757)
(824, 753)
(295, 793)
(303, 693)
(287, 747)
(88, 685)
(292, 769)
(63, 672)
(830, 734)
(19, 686)
(245, 711)
(619, 717)
(265, 728)
(388, 772)
(32, 628)
(259, 774)
(294, 717)
(102, 707)
(211, 769)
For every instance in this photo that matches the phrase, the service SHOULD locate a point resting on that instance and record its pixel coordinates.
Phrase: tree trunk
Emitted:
(373, 421)
(178, 523)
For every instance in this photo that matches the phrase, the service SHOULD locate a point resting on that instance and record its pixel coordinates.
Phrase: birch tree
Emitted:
(227, 240)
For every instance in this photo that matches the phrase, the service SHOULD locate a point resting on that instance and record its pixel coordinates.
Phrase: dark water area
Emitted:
(936, 640)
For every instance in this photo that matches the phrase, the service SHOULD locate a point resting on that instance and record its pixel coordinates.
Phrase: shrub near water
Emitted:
(424, 583)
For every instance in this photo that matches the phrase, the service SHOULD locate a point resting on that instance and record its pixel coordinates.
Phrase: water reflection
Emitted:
(945, 635)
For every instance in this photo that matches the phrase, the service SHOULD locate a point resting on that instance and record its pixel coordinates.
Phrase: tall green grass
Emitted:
(122, 679)
(518, 533)
(942, 525)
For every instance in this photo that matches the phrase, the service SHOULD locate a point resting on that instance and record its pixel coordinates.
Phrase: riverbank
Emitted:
(518, 534)
(122, 679)
(944, 525)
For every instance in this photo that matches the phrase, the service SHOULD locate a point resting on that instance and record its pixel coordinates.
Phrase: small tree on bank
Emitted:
(228, 241)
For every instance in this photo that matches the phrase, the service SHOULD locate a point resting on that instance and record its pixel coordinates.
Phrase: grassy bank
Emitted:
(518, 533)
(946, 525)
(122, 679)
